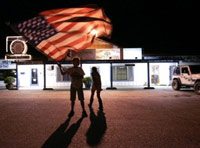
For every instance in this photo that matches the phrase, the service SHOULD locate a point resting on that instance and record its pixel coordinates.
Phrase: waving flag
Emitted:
(55, 32)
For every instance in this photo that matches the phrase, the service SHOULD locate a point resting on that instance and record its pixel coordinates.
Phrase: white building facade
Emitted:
(121, 68)
(124, 75)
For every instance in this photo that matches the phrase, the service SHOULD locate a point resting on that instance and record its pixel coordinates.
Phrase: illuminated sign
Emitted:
(132, 53)
(108, 54)
(16, 48)
(5, 64)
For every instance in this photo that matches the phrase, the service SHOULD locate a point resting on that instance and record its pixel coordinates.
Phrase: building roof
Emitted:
(101, 44)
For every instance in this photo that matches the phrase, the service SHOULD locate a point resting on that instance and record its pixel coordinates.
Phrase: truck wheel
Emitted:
(176, 85)
(197, 88)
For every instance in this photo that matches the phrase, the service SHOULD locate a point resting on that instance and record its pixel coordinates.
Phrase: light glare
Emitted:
(94, 32)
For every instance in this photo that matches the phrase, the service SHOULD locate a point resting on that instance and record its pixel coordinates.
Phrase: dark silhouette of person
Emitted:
(61, 138)
(97, 128)
(96, 86)
(76, 74)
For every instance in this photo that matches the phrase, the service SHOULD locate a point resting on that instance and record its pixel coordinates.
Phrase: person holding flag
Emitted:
(76, 74)
(56, 32)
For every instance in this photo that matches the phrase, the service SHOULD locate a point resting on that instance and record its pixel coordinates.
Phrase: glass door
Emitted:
(34, 76)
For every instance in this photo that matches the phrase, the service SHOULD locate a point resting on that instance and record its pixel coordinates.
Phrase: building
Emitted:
(121, 68)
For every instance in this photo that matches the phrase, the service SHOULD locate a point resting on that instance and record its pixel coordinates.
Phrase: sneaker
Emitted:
(71, 114)
(84, 114)
(100, 108)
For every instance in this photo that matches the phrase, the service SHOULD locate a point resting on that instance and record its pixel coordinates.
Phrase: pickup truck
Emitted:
(186, 76)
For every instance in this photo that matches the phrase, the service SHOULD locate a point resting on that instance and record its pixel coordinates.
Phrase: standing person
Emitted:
(76, 74)
(96, 86)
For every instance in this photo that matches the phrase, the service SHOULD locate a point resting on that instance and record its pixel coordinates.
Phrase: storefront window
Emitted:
(61, 77)
(155, 77)
(7, 72)
(122, 73)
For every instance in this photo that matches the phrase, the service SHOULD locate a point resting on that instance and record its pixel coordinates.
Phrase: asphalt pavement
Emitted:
(159, 118)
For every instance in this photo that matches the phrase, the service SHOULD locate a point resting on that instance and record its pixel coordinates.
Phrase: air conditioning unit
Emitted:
(16, 48)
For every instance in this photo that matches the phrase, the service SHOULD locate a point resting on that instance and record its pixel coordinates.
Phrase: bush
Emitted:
(87, 81)
(9, 80)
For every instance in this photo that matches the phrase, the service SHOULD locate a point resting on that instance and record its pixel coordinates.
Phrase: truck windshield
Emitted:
(195, 69)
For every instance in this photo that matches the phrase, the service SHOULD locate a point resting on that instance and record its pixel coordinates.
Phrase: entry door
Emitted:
(185, 76)
(34, 76)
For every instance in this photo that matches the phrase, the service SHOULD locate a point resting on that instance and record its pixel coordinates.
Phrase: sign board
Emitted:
(88, 54)
(108, 54)
(5, 64)
(132, 53)
(16, 48)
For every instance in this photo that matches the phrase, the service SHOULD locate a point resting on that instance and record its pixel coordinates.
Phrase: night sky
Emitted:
(159, 27)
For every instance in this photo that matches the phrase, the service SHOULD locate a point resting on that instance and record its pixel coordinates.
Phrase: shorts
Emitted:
(97, 88)
(73, 93)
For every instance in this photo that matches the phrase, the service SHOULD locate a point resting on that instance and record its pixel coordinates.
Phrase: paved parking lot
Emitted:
(160, 118)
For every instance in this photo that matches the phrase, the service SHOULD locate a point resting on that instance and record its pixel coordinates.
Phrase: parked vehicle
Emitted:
(186, 76)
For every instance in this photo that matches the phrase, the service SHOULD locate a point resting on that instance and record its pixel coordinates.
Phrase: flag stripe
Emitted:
(62, 18)
(77, 41)
(65, 37)
(66, 11)
(56, 31)
(48, 45)
(45, 45)
(74, 44)
(69, 25)
(84, 44)
(55, 52)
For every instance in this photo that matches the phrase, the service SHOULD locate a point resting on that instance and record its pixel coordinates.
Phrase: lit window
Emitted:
(123, 73)
(60, 77)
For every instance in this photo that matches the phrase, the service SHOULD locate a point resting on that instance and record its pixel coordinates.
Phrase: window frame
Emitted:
(128, 70)
(58, 73)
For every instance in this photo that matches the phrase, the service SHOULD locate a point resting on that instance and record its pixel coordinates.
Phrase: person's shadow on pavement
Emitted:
(97, 128)
(61, 138)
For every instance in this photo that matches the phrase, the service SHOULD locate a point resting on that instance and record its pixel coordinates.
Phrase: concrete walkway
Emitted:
(160, 118)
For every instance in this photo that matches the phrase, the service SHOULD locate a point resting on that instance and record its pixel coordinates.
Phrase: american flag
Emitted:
(55, 32)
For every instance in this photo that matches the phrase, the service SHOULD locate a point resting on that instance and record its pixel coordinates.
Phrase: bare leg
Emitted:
(72, 98)
(72, 105)
(100, 101)
(84, 113)
(72, 109)
(82, 105)
(91, 98)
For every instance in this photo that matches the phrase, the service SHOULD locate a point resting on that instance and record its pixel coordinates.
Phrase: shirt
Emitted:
(76, 74)
(96, 79)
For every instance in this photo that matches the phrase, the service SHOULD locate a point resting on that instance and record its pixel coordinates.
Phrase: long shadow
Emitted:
(62, 138)
(97, 128)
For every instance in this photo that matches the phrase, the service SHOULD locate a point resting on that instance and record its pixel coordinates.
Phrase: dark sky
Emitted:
(160, 27)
